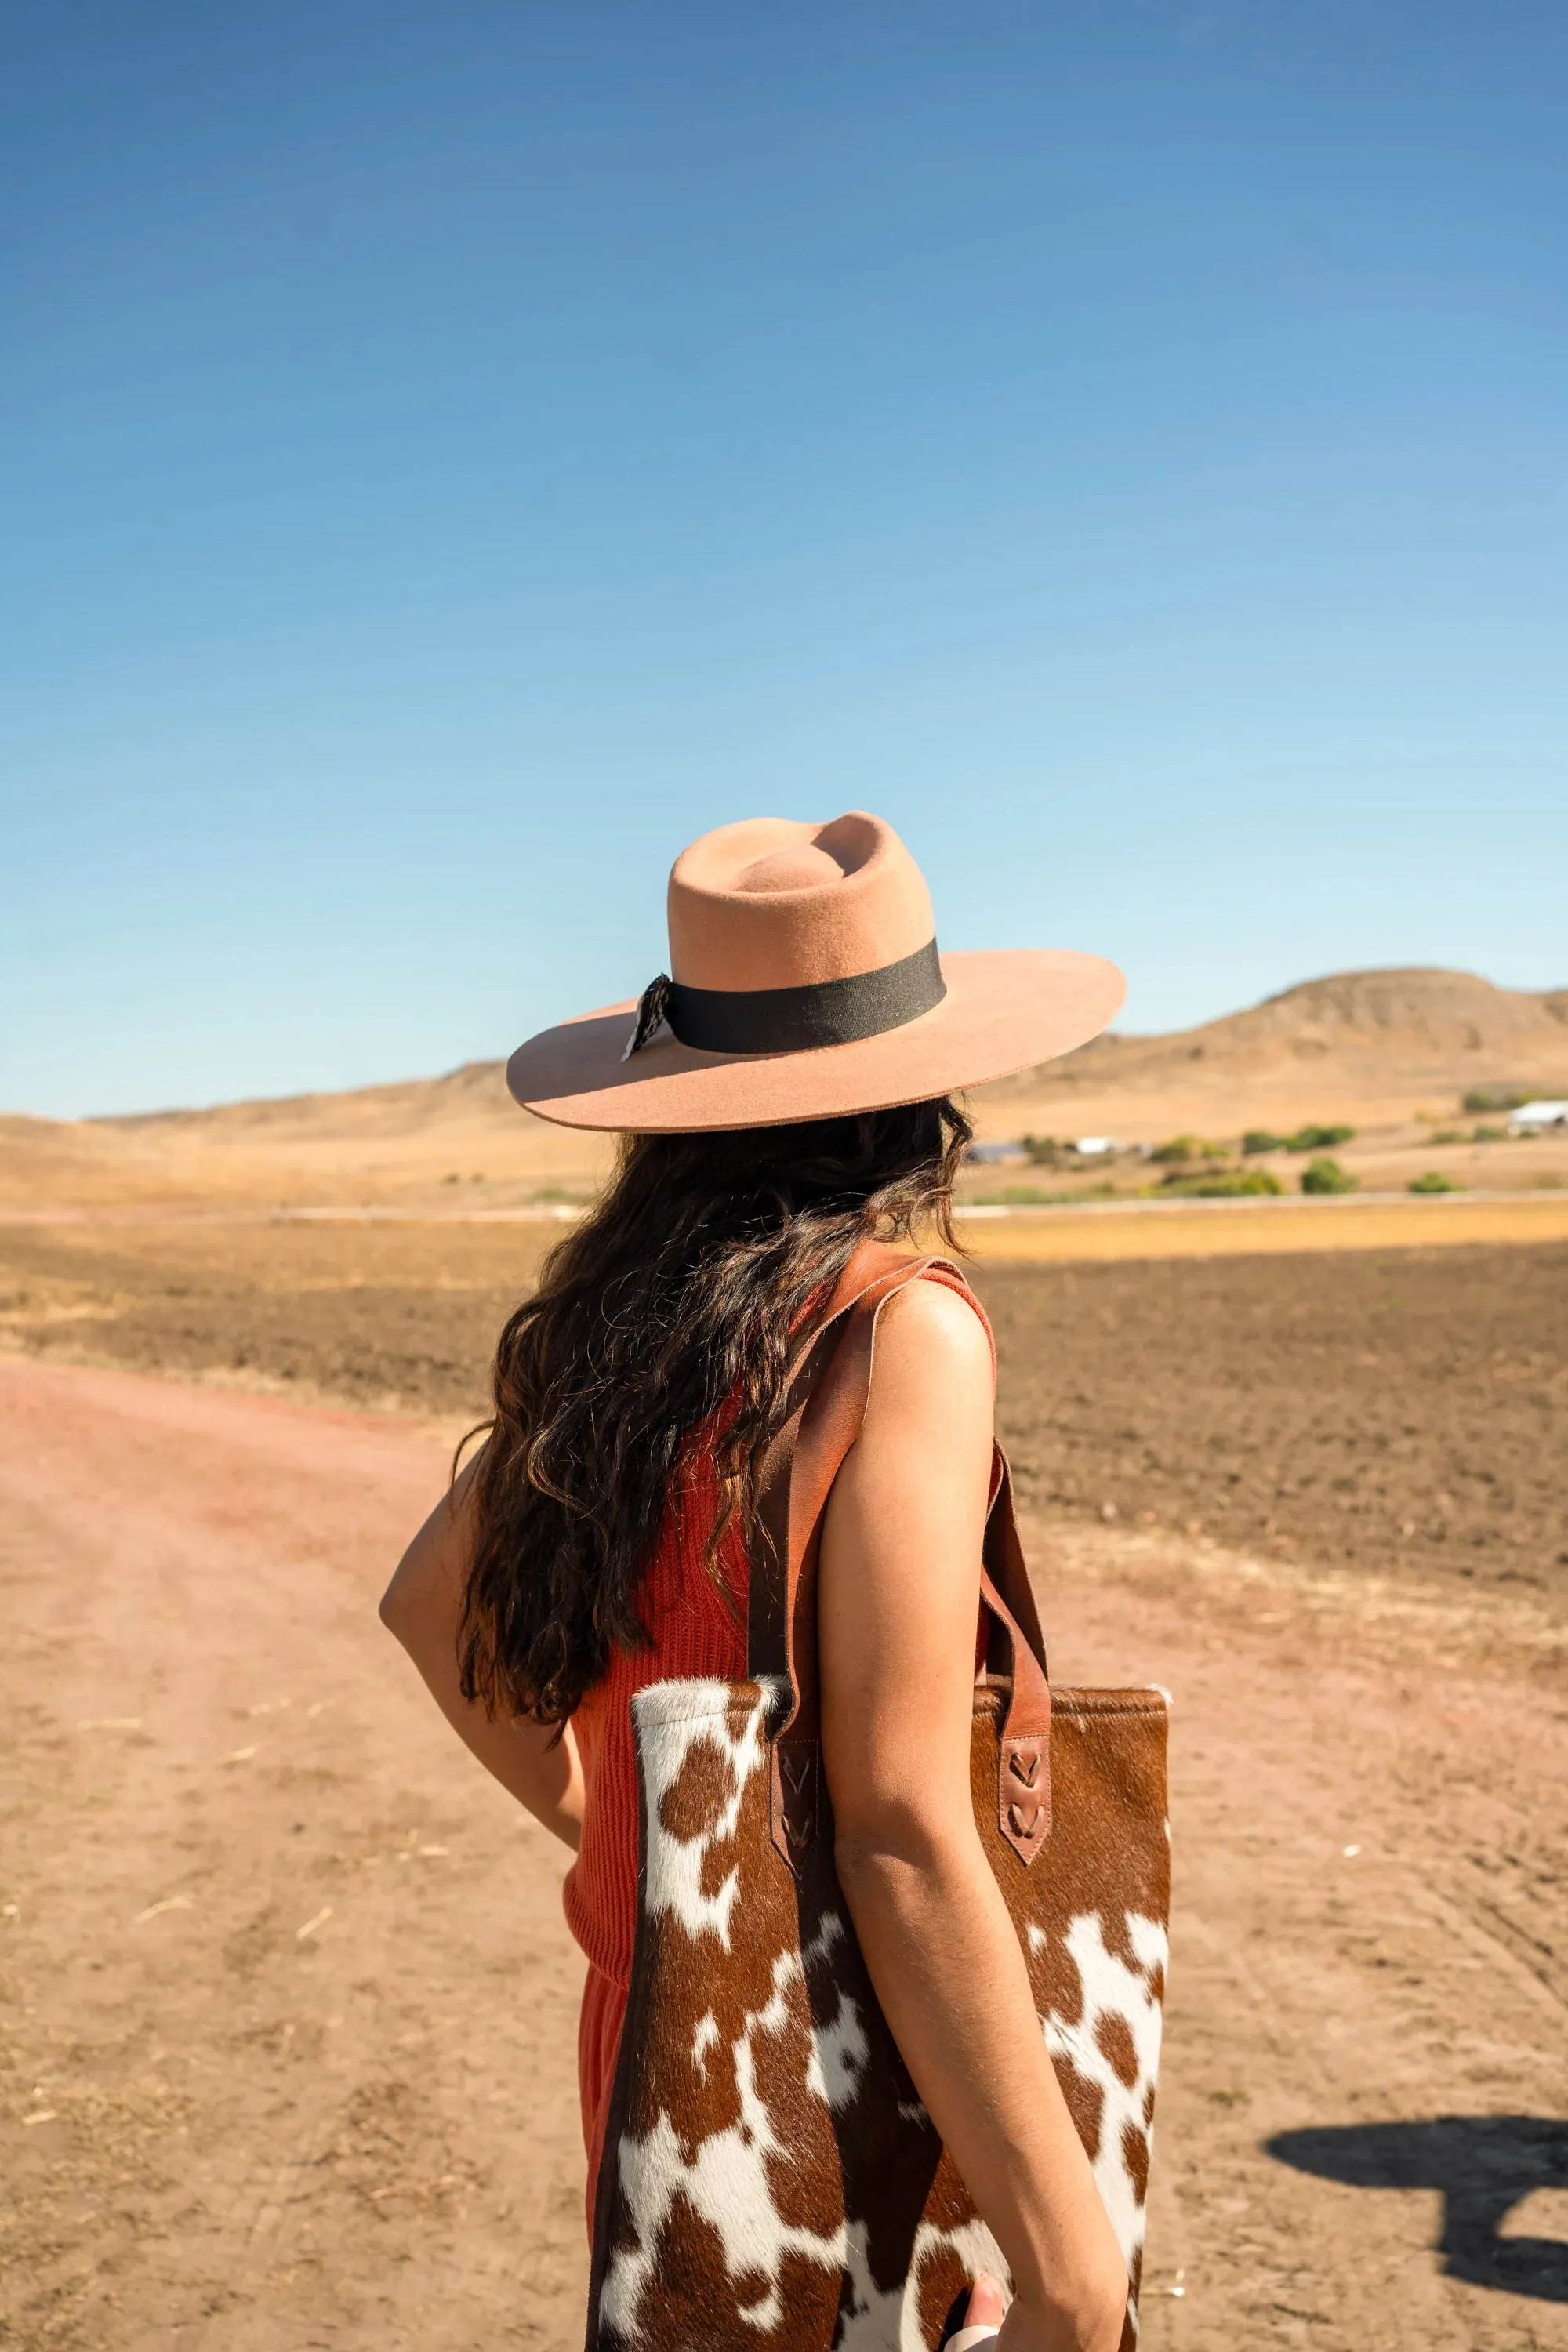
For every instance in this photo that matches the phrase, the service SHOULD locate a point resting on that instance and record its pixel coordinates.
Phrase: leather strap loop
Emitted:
(827, 1407)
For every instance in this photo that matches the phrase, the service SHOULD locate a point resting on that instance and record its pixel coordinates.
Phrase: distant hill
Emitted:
(452, 1141)
(1367, 1046)
(1401, 1035)
(1410, 1032)
(475, 1091)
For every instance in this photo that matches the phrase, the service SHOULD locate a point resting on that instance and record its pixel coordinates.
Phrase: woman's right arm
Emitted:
(423, 1606)
(898, 1596)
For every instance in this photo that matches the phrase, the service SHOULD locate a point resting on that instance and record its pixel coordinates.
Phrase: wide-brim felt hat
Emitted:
(805, 981)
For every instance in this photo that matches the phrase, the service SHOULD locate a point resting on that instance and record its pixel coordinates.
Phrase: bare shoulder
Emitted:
(931, 1345)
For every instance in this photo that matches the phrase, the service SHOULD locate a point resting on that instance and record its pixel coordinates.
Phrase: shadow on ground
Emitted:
(1483, 2165)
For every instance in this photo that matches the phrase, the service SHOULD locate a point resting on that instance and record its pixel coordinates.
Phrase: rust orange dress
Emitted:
(696, 1629)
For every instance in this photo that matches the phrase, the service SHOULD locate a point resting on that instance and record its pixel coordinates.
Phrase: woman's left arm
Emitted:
(423, 1606)
(898, 1597)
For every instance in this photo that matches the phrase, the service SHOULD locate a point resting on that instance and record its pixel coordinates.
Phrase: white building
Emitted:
(1531, 1117)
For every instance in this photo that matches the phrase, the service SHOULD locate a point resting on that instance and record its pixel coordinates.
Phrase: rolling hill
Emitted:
(1371, 1047)
(1379, 1040)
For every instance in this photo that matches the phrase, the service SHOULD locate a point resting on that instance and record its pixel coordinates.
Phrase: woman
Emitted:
(785, 1098)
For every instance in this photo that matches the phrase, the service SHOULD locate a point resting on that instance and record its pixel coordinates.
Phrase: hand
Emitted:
(1023, 2329)
(983, 2318)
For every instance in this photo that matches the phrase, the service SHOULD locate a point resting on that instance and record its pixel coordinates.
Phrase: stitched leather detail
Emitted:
(796, 1810)
(1024, 1818)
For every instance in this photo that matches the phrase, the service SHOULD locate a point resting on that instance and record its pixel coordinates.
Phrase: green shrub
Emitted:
(1043, 1149)
(1318, 1138)
(1234, 1183)
(1327, 1176)
(1179, 1148)
(1488, 1134)
(1433, 1180)
(1449, 1135)
(1493, 1097)
(1306, 1139)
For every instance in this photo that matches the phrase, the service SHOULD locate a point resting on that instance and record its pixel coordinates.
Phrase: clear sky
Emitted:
(452, 454)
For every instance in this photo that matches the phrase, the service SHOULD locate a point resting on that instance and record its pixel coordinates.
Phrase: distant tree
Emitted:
(1327, 1176)
(1433, 1180)
(1179, 1148)
(1261, 1139)
(1319, 1139)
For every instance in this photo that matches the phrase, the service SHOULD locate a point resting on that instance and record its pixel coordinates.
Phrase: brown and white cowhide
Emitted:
(771, 2179)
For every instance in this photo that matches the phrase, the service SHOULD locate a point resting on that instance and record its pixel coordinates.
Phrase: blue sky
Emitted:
(451, 455)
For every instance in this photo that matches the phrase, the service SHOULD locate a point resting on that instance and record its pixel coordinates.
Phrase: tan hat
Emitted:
(803, 983)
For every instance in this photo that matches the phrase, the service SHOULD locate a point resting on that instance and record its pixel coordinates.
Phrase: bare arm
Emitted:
(899, 1592)
(423, 1606)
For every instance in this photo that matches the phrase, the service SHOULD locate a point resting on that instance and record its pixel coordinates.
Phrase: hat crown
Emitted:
(774, 903)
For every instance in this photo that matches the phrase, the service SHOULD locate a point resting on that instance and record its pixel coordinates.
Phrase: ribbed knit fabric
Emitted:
(695, 1631)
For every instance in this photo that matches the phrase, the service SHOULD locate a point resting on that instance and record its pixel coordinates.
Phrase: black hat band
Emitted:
(792, 1020)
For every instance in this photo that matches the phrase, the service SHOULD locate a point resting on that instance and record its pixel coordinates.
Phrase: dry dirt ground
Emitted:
(288, 2005)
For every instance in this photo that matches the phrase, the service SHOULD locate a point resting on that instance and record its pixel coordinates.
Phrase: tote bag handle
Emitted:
(827, 1408)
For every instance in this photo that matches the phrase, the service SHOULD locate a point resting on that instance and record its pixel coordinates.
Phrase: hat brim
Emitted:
(1005, 1010)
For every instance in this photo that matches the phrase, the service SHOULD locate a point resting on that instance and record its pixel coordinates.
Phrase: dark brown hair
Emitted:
(684, 1291)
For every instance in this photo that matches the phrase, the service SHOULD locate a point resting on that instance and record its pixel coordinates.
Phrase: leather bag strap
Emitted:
(825, 1408)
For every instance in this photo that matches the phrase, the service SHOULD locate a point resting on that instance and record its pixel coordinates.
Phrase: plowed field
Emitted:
(1399, 1410)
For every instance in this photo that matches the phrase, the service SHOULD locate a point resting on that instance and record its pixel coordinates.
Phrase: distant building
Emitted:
(998, 1155)
(1095, 1147)
(1531, 1117)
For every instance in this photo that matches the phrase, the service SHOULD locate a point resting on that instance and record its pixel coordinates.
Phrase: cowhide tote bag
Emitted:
(770, 2179)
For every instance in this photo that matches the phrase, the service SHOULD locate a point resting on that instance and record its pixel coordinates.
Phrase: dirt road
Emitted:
(289, 2005)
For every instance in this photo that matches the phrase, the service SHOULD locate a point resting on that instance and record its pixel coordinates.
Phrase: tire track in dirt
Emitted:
(262, 2138)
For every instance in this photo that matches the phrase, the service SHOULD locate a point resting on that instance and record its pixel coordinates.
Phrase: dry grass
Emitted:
(1260, 1228)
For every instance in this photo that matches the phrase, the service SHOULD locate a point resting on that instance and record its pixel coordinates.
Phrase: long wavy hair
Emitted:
(676, 1305)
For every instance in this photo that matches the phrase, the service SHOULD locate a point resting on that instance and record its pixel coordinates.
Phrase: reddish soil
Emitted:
(289, 2006)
